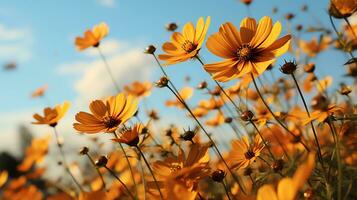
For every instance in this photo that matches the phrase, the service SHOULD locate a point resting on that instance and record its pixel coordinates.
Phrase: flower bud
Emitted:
(84, 151)
(162, 82)
(101, 162)
(288, 67)
(218, 175)
(171, 26)
(150, 49)
(247, 115)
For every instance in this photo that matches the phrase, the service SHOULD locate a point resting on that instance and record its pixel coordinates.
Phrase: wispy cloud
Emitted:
(107, 3)
(15, 43)
(127, 64)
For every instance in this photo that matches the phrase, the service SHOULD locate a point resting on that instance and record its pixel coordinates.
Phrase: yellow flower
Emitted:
(216, 120)
(243, 153)
(92, 37)
(342, 8)
(52, 115)
(186, 45)
(139, 89)
(131, 136)
(35, 153)
(185, 93)
(39, 92)
(250, 50)
(288, 187)
(107, 115)
(313, 47)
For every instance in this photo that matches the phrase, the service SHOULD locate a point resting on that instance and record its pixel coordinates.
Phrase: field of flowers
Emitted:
(294, 133)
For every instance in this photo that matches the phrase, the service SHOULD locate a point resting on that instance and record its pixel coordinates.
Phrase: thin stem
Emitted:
(272, 113)
(264, 142)
(107, 67)
(64, 161)
(266, 162)
(152, 173)
(120, 181)
(129, 164)
(210, 138)
(338, 156)
(226, 190)
(221, 88)
(96, 168)
(311, 123)
(339, 36)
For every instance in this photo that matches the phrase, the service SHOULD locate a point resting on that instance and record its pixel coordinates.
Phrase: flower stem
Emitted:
(338, 156)
(129, 164)
(272, 113)
(152, 173)
(226, 190)
(107, 67)
(120, 181)
(96, 168)
(64, 161)
(311, 123)
(264, 142)
(339, 37)
(211, 140)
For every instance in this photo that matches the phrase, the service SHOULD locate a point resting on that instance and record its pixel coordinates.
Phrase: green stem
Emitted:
(120, 181)
(96, 168)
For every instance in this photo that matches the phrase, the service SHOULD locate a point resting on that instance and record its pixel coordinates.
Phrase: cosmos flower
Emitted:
(187, 44)
(106, 115)
(139, 89)
(39, 92)
(243, 152)
(130, 136)
(289, 187)
(185, 93)
(92, 37)
(313, 47)
(250, 50)
(52, 115)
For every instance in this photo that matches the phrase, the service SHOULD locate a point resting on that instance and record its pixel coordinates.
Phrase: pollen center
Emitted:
(110, 122)
(245, 52)
(188, 46)
(175, 168)
(249, 154)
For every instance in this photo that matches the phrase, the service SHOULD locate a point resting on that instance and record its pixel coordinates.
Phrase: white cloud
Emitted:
(107, 3)
(15, 43)
(127, 65)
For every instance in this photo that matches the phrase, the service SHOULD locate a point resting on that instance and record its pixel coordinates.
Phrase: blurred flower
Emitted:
(35, 153)
(94, 195)
(289, 187)
(92, 37)
(39, 92)
(106, 115)
(185, 93)
(250, 50)
(313, 47)
(186, 45)
(243, 153)
(246, 2)
(217, 120)
(342, 8)
(3, 177)
(52, 115)
(138, 89)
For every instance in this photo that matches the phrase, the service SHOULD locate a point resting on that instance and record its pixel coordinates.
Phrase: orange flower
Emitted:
(139, 89)
(343, 8)
(289, 187)
(322, 115)
(107, 115)
(250, 50)
(186, 45)
(131, 136)
(52, 115)
(216, 121)
(243, 153)
(246, 2)
(35, 153)
(92, 37)
(39, 92)
(185, 93)
(313, 47)
(3, 177)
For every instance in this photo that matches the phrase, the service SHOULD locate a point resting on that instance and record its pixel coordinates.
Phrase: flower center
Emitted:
(110, 122)
(188, 46)
(249, 154)
(245, 52)
(175, 168)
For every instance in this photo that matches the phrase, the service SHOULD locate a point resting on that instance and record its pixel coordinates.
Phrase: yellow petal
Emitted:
(248, 27)
(267, 192)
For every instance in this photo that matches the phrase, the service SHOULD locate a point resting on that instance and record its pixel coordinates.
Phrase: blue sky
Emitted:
(44, 31)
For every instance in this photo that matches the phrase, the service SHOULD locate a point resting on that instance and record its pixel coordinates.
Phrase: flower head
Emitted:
(130, 136)
(243, 153)
(52, 115)
(106, 115)
(187, 44)
(92, 37)
(250, 50)
(139, 89)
